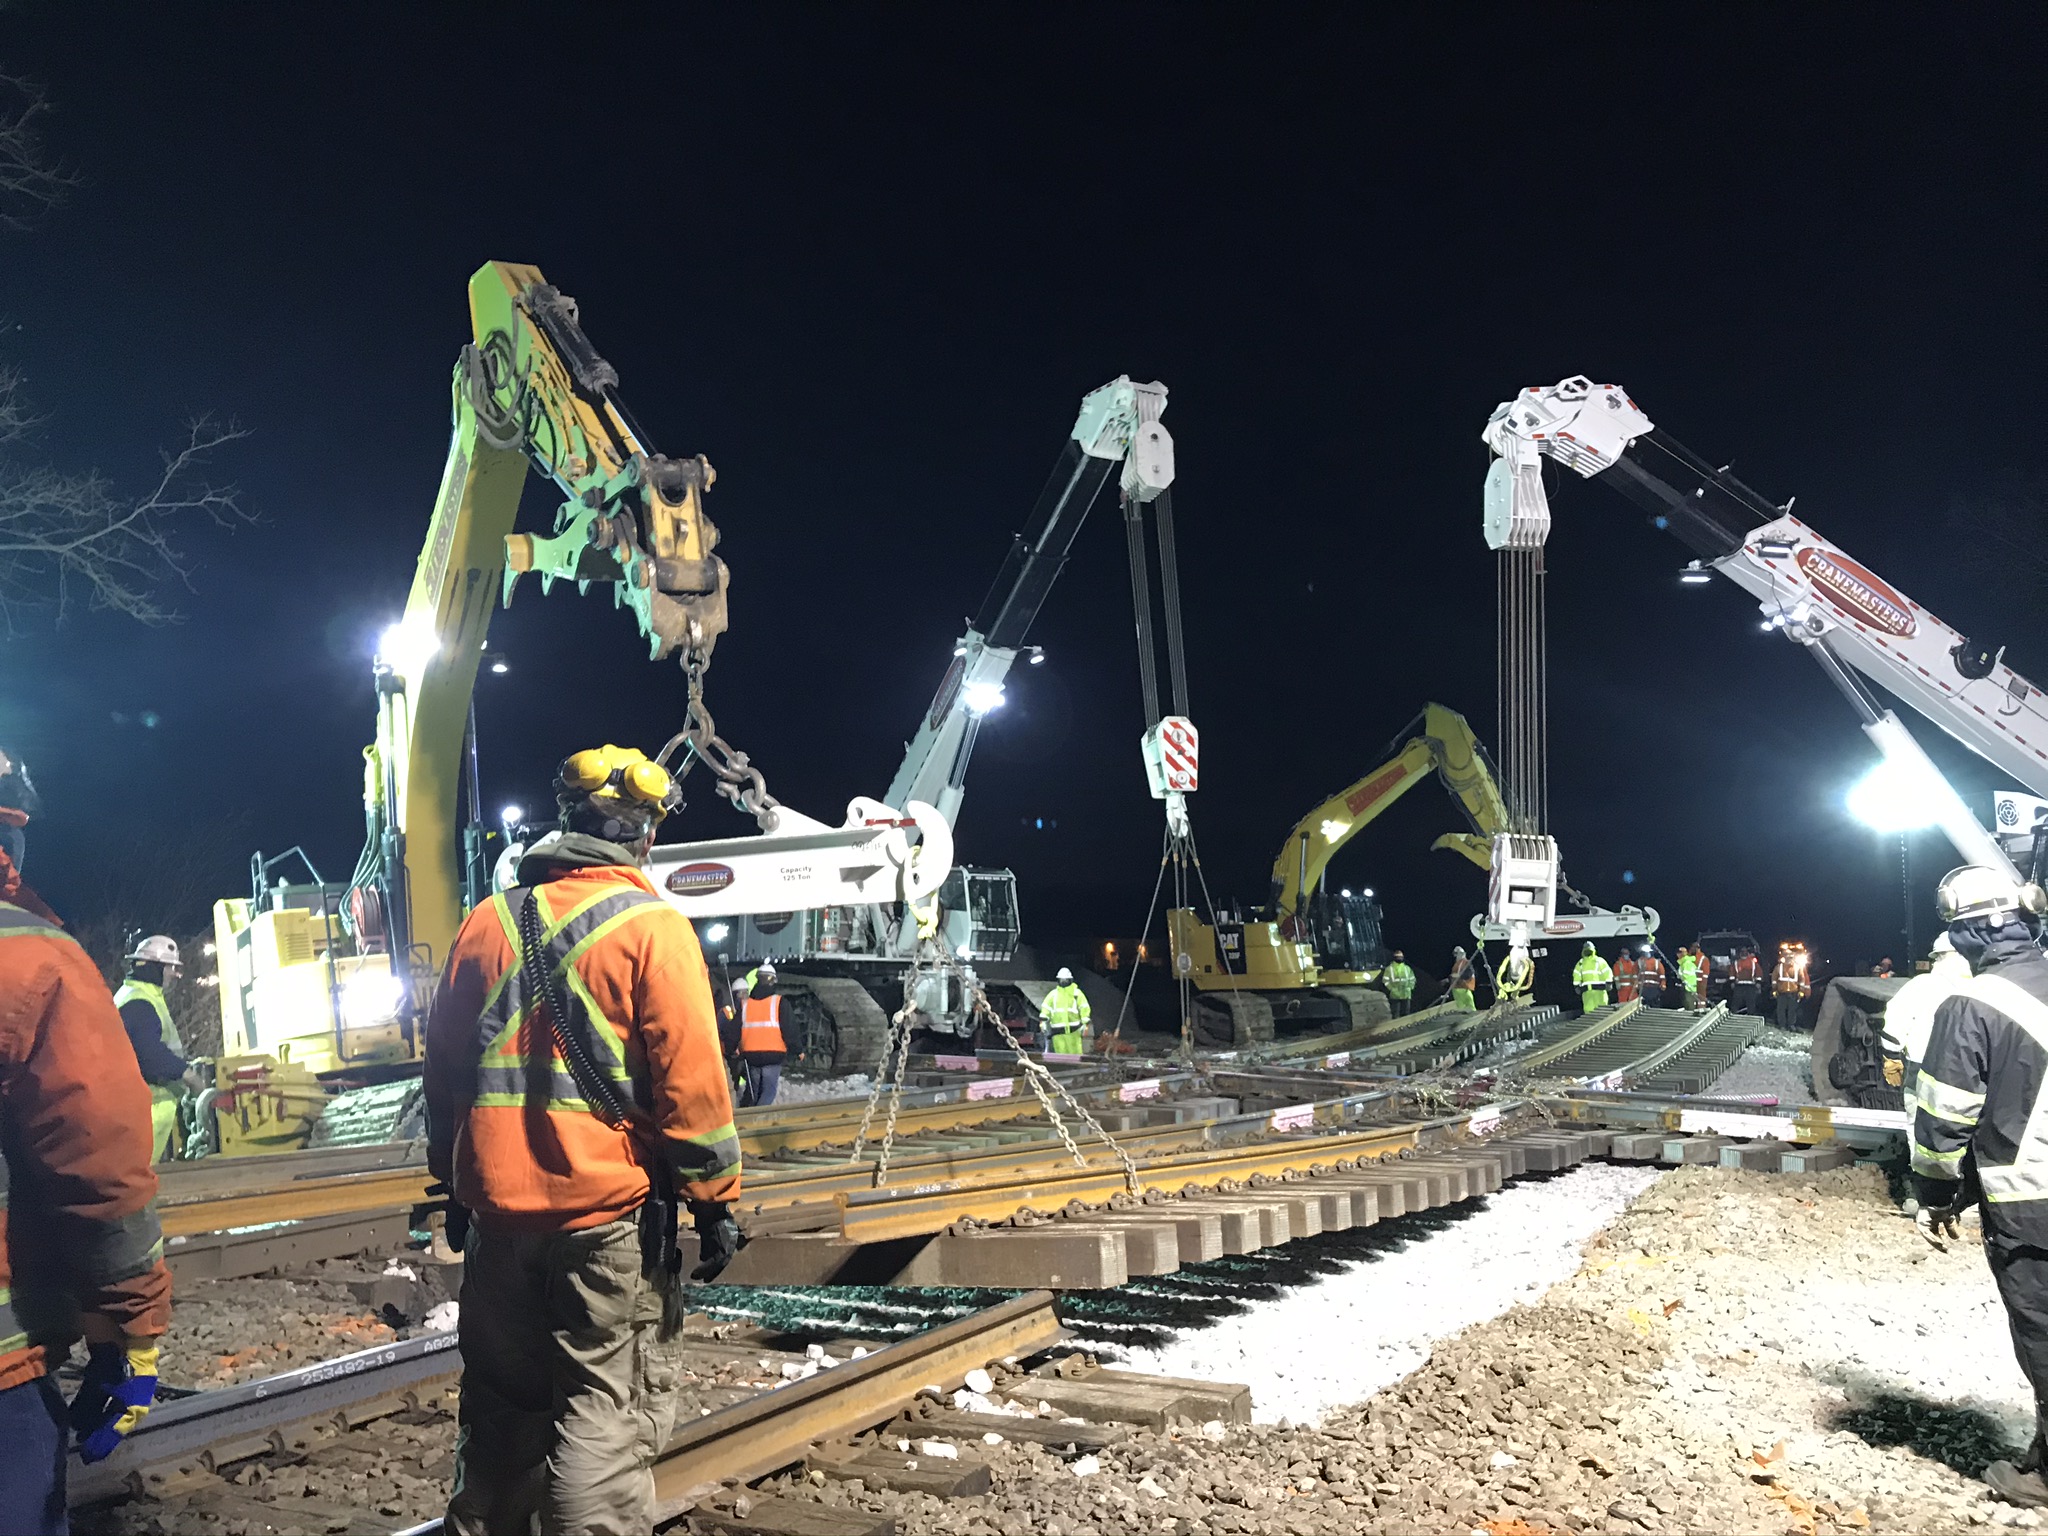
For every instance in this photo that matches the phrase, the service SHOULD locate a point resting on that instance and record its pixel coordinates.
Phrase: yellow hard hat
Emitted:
(624, 775)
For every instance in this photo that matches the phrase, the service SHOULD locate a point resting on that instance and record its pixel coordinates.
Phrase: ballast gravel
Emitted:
(1345, 1335)
(1767, 1072)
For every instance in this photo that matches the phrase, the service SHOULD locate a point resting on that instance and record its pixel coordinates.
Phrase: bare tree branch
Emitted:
(64, 537)
(30, 181)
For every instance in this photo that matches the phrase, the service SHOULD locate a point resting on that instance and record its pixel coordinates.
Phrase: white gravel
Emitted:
(1346, 1336)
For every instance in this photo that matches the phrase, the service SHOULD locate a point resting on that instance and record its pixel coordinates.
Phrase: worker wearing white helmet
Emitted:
(1464, 980)
(1065, 1014)
(159, 1051)
(1909, 1016)
(1976, 1107)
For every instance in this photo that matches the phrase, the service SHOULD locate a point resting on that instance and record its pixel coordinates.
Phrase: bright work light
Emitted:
(406, 648)
(1893, 798)
(983, 697)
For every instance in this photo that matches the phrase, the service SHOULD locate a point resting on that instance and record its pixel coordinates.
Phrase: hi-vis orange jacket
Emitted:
(77, 1193)
(508, 1126)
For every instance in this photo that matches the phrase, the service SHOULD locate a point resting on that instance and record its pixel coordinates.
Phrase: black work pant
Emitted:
(1742, 997)
(1652, 994)
(2022, 1275)
(1399, 1005)
(1788, 1010)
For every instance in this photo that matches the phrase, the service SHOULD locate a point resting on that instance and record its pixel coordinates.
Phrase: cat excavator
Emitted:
(1305, 957)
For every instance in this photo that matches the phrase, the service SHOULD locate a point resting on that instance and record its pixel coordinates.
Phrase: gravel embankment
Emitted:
(1739, 1352)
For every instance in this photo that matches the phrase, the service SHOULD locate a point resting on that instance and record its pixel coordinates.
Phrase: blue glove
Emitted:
(119, 1387)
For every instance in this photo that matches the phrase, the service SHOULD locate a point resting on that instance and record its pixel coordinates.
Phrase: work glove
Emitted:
(119, 1387)
(718, 1238)
(197, 1078)
(455, 1220)
(1942, 1203)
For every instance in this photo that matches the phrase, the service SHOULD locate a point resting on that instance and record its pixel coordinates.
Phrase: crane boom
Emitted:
(1851, 620)
(1106, 433)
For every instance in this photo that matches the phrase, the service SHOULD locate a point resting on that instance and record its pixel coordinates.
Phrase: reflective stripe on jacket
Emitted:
(507, 1121)
(1688, 972)
(1592, 971)
(1399, 977)
(74, 1121)
(1979, 1098)
(761, 1027)
(1653, 971)
(1066, 1007)
(133, 991)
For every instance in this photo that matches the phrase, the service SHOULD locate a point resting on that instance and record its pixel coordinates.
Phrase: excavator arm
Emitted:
(1438, 738)
(531, 392)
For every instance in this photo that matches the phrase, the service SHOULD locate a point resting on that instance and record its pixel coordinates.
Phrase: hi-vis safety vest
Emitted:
(1592, 971)
(761, 1025)
(1066, 1007)
(1790, 977)
(1688, 971)
(149, 992)
(1980, 1096)
(1400, 979)
(1653, 971)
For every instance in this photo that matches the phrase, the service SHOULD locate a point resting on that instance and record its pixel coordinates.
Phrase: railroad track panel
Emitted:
(1080, 1229)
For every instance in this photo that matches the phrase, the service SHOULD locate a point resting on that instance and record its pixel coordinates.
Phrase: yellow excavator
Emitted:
(1305, 958)
(326, 984)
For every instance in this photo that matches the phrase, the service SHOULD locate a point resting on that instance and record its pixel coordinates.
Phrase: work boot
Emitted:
(2029, 1490)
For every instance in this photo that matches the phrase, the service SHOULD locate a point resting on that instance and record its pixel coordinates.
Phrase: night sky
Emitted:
(867, 260)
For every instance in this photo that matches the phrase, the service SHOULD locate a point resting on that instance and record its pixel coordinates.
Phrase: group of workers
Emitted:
(1633, 974)
(579, 1111)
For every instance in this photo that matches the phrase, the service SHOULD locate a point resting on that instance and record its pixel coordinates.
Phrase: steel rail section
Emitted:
(187, 1426)
(1597, 1025)
(891, 1213)
(1806, 1124)
(1350, 1039)
(759, 1434)
(1647, 1066)
(342, 1194)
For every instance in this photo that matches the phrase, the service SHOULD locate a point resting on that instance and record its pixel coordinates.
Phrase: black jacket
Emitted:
(1986, 1066)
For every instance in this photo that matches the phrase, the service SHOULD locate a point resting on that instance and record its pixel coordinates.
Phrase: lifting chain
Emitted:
(1045, 1085)
(738, 779)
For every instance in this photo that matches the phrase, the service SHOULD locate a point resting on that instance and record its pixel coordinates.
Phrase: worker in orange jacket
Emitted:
(79, 1186)
(1627, 978)
(576, 1098)
(1650, 979)
(1745, 981)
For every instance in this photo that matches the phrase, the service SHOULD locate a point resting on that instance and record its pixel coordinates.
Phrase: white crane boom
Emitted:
(1808, 588)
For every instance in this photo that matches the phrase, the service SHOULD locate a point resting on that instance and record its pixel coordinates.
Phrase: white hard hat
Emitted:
(1943, 944)
(159, 949)
(1974, 890)
(767, 968)
(1063, 974)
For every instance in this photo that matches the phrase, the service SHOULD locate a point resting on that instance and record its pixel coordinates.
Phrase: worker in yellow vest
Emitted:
(159, 1051)
(1065, 1014)
(763, 1047)
(1592, 976)
(1399, 980)
(1464, 981)
(1689, 977)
